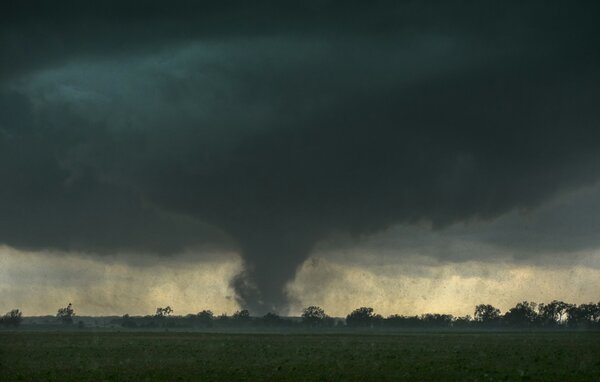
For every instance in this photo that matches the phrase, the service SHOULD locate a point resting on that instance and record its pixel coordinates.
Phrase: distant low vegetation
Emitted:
(524, 315)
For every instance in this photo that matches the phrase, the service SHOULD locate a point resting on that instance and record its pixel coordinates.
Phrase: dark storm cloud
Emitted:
(53, 194)
(563, 232)
(159, 128)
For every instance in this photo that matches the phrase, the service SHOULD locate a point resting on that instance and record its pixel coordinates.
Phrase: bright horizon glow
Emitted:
(39, 283)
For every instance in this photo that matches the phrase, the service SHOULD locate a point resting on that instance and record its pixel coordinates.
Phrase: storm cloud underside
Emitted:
(268, 128)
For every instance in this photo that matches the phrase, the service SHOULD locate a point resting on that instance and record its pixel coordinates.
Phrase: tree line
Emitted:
(553, 315)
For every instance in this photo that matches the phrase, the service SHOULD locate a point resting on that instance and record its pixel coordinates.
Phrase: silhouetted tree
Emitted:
(525, 314)
(241, 317)
(163, 312)
(462, 322)
(486, 314)
(162, 317)
(314, 316)
(12, 318)
(395, 320)
(584, 315)
(522, 315)
(66, 314)
(363, 317)
(398, 321)
(554, 313)
(205, 318)
(435, 320)
(241, 314)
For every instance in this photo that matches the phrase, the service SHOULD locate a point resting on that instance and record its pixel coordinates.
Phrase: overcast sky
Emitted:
(414, 156)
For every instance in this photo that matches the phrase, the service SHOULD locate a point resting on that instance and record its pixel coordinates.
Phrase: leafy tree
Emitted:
(66, 314)
(241, 316)
(363, 317)
(584, 315)
(205, 317)
(462, 322)
(554, 313)
(395, 320)
(163, 317)
(486, 314)
(436, 320)
(523, 314)
(163, 312)
(12, 318)
(315, 316)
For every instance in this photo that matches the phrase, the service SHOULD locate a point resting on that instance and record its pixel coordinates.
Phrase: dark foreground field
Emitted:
(69, 356)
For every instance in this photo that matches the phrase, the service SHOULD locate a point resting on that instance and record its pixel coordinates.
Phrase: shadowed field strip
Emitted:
(68, 356)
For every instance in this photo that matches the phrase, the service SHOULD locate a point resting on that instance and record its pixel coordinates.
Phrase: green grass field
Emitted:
(130, 356)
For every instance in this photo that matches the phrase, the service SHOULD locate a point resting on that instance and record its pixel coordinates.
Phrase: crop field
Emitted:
(136, 356)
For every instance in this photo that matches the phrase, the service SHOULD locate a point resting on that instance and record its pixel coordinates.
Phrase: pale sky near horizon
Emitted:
(369, 272)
